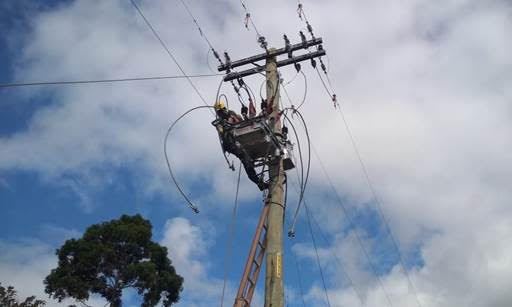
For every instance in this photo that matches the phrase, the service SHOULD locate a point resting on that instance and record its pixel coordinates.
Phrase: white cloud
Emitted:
(425, 87)
(189, 251)
(24, 265)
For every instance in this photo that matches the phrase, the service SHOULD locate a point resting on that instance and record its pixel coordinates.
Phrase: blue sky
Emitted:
(425, 89)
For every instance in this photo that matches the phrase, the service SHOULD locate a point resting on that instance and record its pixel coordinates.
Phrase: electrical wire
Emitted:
(323, 82)
(299, 279)
(300, 10)
(225, 98)
(292, 79)
(252, 93)
(168, 51)
(231, 233)
(352, 226)
(378, 203)
(338, 261)
(304, 181)
(20, 84)
(261, 89)
(305, 92)
(217, 95)
(216, 55)
(208, 61)
(201, 32)
(291, 232)
(249, 18)
(317, 256)
(191, 205)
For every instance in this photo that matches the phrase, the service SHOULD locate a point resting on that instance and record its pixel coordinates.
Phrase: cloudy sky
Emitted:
(425, 88)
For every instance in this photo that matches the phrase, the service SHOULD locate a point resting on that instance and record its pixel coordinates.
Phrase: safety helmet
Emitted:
(219, 105)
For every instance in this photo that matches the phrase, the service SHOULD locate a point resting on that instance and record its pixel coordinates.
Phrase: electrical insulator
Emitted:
(297, 66)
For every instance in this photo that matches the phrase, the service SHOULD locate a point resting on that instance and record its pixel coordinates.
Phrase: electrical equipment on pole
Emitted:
(264, 142)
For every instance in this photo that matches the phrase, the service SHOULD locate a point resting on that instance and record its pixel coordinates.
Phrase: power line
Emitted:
(332, 95)
(231, 232)
(216, 54)
(21, 84)
(317, 256)
(299, 278)
(324, 237)
(168, 51)
(313, 240)
(248, 18)
(352, 226)
(338, 261)
(171, 173)
(201, 32)
(379, 205)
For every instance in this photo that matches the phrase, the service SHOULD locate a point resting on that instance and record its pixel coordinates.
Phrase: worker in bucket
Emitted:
(229, 144)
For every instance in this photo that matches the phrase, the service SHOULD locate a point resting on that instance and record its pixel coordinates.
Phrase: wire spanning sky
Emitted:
(426, 89)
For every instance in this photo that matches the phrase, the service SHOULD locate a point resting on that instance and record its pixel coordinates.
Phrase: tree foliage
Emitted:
(8, 298)
(113, 256)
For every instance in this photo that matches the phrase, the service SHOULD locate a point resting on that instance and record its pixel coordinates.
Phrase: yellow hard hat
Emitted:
(219, 105)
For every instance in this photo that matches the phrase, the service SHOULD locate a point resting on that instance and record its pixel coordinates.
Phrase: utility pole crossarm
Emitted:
(273, 54)
(270, 53)
(256, 70)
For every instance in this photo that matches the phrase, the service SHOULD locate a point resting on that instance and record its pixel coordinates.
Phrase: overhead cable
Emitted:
(317, 256)
(302, 16)
(305, 91)
(21, 84)
(299, 278)
(217, 56)
(336, 258)
(231, 234)
(353, 226)
(378, 204)
(248, 19)
(333, 97)
(304, 180)
(168, 51)
(338, 261)
(201, 32)
(190, 203)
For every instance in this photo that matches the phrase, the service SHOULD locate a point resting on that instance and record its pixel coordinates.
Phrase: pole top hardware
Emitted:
(288, 49)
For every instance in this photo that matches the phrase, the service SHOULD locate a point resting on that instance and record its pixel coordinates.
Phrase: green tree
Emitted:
(8, 298)
(113, 256)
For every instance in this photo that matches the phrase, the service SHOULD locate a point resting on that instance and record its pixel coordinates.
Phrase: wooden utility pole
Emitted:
(274, 292)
